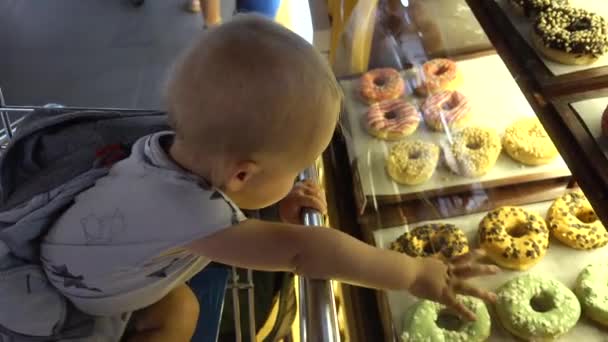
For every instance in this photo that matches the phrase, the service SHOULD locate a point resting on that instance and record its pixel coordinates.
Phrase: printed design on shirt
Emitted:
(163, 272)
(69, 279)
(237, 216)
(103, 229)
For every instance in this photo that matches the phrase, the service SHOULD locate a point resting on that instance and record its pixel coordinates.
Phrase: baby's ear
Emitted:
(241, 174)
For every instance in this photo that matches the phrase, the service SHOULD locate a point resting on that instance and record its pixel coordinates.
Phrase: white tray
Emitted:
(524, 27)
(496, 101)
(590, 111)
(560, 262)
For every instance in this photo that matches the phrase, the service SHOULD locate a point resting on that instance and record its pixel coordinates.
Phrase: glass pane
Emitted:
(447, 153)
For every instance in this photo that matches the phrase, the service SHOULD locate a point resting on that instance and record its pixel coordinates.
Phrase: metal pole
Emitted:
(236, 305)
(6, 121)
(75, 109)
(251, 306)
(318, 318)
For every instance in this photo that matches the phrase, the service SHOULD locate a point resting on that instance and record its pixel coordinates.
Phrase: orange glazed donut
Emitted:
(381, 84)
(392, 119)
(439, 74)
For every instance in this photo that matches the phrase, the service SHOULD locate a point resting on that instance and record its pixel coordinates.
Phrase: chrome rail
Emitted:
(318, 317)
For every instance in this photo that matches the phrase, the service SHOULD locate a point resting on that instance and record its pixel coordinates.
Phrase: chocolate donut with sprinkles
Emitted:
(573, 222)
(531, 8)
(571, 36)
(435, 239)
(513, 237)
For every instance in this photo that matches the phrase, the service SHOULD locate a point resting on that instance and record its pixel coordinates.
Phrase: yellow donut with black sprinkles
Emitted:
(514, 237)
(573, 222)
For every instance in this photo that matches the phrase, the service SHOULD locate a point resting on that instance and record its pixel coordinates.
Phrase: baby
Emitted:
(251, 105)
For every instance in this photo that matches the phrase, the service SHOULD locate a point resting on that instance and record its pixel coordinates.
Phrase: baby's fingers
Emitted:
(473, 255)
(469, 290)
(452, 302)
(311, 187)
(474, 270)
(313, 202)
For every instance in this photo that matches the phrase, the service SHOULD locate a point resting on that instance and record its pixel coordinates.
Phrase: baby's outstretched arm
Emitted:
(330, 254)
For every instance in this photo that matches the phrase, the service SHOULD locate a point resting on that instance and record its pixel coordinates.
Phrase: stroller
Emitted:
(211, 284)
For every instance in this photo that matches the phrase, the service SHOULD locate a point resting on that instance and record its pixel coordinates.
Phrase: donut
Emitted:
(513, 237)
(439, 74)
(536, 308)
(412, 162)
(449, 106)
(605, 122)
(381, 84)
(392, 119)
(573, 222)
(433, 239)
(527, 142)
(592, 292)
(531, 8)
(570, 35)
(473, 151)
(430, 321)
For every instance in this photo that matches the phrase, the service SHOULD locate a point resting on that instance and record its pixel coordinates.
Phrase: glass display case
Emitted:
(454, 110)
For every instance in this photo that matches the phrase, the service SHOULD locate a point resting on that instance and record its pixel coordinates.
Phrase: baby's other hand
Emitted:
(440, 281)
(306, 194)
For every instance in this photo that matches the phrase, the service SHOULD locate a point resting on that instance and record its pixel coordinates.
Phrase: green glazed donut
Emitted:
(537, 308)
(428, 321)
(592, 291)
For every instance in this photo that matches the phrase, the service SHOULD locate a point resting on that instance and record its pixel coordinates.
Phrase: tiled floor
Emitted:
(94, 53)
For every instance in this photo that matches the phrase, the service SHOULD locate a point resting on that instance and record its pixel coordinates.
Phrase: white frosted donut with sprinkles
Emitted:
(453, 106)
(392, 119)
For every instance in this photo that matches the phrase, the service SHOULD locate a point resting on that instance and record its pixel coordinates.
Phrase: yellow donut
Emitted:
(436, 239)
(527, 142)
(573, 222)
(513, 237)
(412, 162)
(473, 152)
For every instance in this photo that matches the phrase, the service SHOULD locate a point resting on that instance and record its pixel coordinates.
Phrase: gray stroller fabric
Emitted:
(54, 156)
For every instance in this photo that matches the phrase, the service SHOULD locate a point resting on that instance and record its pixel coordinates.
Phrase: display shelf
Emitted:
(560, 262)
(524, 27)
(557, 97)
(496, 108)
(461, 204)
(448, 28)
(509, 35)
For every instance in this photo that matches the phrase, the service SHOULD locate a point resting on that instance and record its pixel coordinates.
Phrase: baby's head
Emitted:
(252, 105)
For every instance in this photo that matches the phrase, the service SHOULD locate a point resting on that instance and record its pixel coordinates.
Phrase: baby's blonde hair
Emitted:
(250, 87)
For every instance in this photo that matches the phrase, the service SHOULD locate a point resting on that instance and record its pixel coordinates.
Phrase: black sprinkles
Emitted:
(444, 239)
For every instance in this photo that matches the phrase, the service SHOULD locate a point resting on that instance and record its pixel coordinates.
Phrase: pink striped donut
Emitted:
(452, 105)
(392, 119)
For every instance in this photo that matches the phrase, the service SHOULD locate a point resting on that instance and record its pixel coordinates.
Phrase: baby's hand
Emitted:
(440, 281)
(304, 194)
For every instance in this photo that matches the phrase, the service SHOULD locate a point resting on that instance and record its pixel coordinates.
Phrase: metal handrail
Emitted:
(318, 317)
